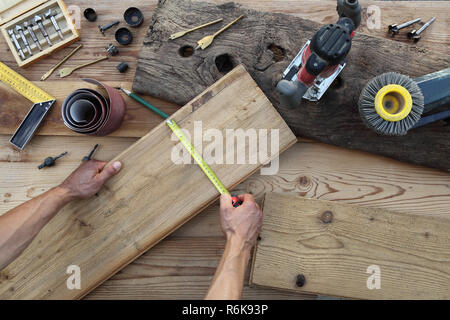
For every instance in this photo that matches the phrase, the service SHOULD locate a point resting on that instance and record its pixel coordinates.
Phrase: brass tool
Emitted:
(49, 72)
(182, 33)
(68, 71)
(206, 41)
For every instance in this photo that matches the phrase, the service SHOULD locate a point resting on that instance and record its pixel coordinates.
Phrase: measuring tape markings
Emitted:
(197, 157)
(23, 86)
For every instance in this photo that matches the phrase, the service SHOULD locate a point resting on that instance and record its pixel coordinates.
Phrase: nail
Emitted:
(300, 280)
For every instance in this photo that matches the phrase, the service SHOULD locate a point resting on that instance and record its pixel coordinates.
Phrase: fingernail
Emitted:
(117, 165)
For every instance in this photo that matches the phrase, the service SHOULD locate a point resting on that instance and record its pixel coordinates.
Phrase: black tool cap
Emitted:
(124, 36)
(133, 17)
(90, 14)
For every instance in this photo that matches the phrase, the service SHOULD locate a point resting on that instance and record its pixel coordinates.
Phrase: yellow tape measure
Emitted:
(197, 157)
(22, 85)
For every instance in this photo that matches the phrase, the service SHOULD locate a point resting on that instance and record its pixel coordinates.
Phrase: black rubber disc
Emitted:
(90, 14)
(124, 36)
(133, 17)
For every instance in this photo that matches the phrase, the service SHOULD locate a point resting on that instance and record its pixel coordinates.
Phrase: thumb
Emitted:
(225, 201)
(109, 170)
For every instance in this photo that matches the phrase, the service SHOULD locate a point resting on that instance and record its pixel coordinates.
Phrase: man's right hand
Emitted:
(242, 223)
(88, 178)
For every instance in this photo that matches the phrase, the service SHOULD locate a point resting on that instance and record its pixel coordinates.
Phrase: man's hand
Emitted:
(242, 223)
(89, 178)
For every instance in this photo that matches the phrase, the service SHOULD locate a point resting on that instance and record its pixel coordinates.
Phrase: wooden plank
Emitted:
(177, 268)
(332, 245)
(149, 199)
(334, 120)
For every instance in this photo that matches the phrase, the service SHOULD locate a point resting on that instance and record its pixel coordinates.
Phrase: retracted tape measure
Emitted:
(41, 99)
(201, 162)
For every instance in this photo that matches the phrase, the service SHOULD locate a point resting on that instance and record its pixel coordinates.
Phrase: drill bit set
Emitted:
(33, 34)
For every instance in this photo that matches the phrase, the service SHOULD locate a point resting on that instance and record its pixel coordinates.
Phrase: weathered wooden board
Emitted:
(333, 245)
(265, 43)
(178, 268)
(313, 170)
(150, 198)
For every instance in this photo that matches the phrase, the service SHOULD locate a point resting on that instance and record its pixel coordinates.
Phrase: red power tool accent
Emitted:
(321, 59)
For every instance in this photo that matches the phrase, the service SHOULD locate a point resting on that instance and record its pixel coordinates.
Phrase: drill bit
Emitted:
(24, 39)
(50, 161)
(89, 156)
(415, 34)
(16, 43)
(38, 20)
(50, 14)
(29, 27)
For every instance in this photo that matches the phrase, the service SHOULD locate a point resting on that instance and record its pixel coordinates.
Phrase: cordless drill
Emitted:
(322, 58)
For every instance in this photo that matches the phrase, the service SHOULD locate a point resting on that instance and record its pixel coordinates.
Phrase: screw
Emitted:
(24, 39)
(29, 27)
(108, 26)
(327, 217)
(38, 20)
(16, 43)
(300, 280)
(51, 15)
(415, 34)
(394, 28)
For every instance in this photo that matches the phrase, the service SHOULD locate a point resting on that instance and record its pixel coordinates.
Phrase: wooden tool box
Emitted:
(16, 12)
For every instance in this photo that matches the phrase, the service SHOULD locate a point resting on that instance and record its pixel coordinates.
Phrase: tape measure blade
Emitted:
(23, 86)
(197, 157)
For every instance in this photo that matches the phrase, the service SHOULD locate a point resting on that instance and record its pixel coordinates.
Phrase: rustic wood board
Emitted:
(313, 170)
(333, 120)
(310, 169)
(332, 245)
(146, 201)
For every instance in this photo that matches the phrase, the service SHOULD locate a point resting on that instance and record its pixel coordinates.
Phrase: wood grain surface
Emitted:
(150, 198)
(332, 245)
(310, 169)
(266, 43)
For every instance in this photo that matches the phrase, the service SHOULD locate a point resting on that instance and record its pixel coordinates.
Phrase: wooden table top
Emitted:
(183, 265)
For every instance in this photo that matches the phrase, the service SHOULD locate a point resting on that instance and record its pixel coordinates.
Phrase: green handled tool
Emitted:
(145, 103)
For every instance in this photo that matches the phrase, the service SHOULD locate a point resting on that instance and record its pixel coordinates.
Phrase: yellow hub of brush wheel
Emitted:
(393, 102)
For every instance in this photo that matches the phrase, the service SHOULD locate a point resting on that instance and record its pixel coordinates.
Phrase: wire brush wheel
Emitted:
(391, 104)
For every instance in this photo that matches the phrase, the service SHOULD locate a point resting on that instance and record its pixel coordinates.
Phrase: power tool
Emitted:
(321, 59)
